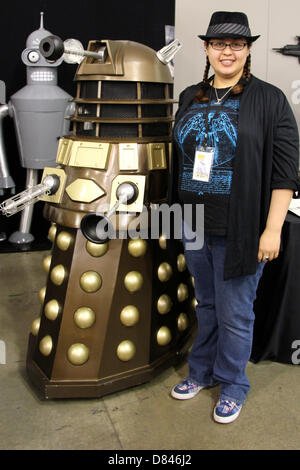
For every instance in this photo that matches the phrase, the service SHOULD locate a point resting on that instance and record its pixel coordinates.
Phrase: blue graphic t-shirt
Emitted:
(189, 132)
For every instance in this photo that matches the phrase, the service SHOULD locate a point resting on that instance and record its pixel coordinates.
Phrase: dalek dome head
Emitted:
(126, 93)
(124, 60)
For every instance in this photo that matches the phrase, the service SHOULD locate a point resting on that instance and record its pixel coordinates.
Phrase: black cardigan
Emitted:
(267, 156)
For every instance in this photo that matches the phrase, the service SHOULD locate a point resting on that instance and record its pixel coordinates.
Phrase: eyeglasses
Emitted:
(234, 46)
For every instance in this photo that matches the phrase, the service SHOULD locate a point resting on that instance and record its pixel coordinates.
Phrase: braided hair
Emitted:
(238, 88)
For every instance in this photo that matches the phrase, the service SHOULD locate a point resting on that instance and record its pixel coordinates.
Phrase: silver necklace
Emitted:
(219, 100)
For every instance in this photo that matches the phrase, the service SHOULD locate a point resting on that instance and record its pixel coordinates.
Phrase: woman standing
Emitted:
(236, 151)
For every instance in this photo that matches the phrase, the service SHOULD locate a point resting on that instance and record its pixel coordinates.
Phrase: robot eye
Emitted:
(33, 56)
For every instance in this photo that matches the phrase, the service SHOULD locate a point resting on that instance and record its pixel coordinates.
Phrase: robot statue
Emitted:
(115, 311)
(39, 111)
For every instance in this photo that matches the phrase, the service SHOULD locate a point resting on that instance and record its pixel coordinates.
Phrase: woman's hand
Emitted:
(269, 245)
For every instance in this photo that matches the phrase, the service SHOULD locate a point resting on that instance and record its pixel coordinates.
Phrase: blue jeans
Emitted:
(225, 317)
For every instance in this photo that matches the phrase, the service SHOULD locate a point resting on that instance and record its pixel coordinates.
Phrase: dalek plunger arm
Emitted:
(95, 227)
(17, 203)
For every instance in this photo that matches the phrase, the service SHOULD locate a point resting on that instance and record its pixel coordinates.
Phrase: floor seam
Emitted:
(112, 423)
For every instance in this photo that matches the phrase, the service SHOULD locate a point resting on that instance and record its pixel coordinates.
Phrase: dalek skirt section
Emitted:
(115, 311)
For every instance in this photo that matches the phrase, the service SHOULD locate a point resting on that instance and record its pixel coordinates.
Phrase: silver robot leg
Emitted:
(23, 236)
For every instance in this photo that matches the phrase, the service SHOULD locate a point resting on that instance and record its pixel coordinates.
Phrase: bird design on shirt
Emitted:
(221, 135)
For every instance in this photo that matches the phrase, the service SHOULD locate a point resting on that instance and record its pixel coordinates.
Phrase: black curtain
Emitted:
(135, 20)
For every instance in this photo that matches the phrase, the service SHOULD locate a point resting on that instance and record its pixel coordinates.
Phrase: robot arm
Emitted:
(6, 181)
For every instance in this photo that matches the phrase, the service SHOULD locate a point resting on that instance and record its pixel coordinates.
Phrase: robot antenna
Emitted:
(42, 20)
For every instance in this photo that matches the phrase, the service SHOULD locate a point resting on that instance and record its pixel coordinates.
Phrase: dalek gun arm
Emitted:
(17, 203)
(6, 181)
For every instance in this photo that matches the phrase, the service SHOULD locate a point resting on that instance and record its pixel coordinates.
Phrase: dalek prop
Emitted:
(115, 312)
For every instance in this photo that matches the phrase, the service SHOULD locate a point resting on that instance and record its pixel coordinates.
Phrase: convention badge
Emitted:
(204, 158)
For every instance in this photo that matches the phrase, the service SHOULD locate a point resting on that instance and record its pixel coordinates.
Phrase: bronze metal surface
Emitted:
(112, 315)
(57, 197)
(121, 101)
(127, 60)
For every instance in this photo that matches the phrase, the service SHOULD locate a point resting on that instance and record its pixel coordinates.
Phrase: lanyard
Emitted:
(206, 120)
(207, 114)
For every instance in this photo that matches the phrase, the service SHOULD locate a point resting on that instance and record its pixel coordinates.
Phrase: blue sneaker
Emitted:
(186, 389)
(226, 411)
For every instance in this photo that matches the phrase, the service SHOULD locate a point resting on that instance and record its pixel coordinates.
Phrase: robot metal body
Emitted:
(38, 110)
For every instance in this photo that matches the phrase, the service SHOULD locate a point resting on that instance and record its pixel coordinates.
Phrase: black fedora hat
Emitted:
(227, 24)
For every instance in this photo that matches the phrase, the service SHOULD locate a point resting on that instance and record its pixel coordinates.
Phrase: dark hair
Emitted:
(238, 88)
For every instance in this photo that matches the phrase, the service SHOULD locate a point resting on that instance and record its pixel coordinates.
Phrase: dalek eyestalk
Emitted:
(53, 48)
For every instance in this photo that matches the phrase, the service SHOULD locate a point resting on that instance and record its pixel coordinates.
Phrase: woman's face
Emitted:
(227, 63)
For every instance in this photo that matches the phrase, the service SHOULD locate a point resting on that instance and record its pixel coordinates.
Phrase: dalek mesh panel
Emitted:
(133, 109)
(113, 313)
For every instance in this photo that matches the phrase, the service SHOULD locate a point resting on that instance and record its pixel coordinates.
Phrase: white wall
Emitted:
(277, 22)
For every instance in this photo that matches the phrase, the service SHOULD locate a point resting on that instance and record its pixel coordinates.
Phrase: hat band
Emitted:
(230, 28)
